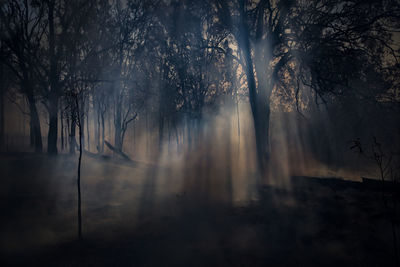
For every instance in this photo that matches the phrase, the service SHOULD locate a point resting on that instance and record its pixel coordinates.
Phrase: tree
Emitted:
(21, 39)
(75, 99)
(304, 44)
(61, 54)
(126, 28)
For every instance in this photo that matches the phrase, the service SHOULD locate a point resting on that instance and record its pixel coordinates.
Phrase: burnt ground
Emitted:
(314, 222)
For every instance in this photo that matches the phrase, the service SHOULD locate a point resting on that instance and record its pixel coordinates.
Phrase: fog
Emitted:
(199, 133)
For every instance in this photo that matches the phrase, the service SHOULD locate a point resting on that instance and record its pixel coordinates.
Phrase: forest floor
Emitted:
(314, 222)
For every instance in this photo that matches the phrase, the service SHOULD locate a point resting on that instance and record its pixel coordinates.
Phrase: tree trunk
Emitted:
(109, 126)
(62, 128)
(189, 132)
(169, 136)
(176, 136)
(96, 125)
(147, 133)
(35, 132)
(123, 131)
(261, 126)
(117, 127)
(31, 133)
(82, 120)
(79, 172)
(2, 130)
(53, 126)
(134, 138)
(53, 96)
(67, 132)
(259, 106)
(35, 123)
(72, 140)
(88, 128)
(102, 132)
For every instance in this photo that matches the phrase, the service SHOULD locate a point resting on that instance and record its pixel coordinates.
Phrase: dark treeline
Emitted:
(214, 113)
(105, 66)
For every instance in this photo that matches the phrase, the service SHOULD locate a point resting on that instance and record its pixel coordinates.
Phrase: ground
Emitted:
(129, 221)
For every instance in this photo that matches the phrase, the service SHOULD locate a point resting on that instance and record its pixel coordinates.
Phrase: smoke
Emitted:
(201, 165)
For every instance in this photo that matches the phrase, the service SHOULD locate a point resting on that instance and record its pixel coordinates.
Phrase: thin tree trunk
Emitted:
(237, 115)
(134, 137)
(2, 91)
(24, 123)
(53, 126)
(96, 125)
(79, 172)
(169, 136)
(102, 132)
(177, 137)
(31, 132)
(2, 130)
(53, 96)
(228, 160)
(117, 127)
(72, 142)
(62, 128)
(67, 133)
(109, 126)
(35, 125)
(147, 135)
(189, 133)
(123, 132)
(82, 120)
(36, 129)
(87, 127)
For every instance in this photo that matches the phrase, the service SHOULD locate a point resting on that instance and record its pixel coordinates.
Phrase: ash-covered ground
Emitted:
(140, 214)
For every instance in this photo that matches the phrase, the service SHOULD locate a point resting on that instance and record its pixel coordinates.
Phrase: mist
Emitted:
(211, 133)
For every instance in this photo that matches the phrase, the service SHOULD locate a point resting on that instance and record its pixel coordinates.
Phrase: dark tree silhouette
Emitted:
(21, 39)
(323, 45)
(169, 62)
